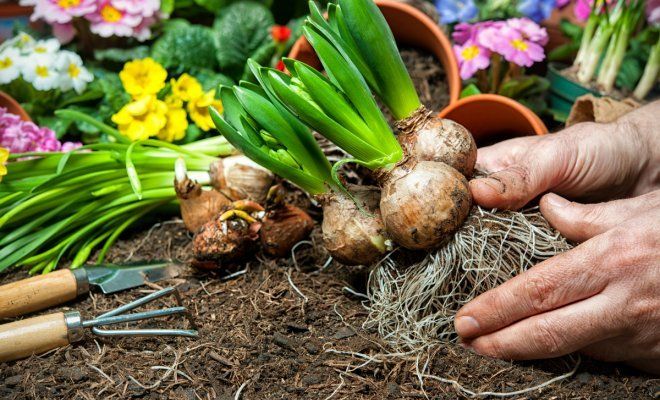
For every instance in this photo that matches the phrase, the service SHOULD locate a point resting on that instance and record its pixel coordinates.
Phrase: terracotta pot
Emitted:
(492, 118)
(410, 27)
(12, 106)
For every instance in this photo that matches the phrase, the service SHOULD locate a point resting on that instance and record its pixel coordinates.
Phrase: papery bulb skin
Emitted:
(282, 228)
(423, 202)
(429, 138)
(240, 178)
(354, 237)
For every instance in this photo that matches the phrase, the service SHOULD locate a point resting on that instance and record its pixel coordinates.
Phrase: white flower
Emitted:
(72, 72)
(10, 65)
(24, 41)
(50, 46)
(40, 71)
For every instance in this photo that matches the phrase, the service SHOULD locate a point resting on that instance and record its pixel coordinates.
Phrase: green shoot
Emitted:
(65, 205)
(265, 132)
(359, 31)
(650, 74)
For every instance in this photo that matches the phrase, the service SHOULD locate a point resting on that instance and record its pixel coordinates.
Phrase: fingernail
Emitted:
(466, 326)
(556, 201)
(494, 184)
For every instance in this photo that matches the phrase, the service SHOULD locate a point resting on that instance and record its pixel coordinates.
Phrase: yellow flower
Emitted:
(141, 77)
(177, 123)
(173, 101)
(142, 118)
(186, 87)
(199, 110)
(4, 156)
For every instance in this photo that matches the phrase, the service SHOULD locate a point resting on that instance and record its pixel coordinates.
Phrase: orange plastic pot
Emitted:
(12, 106)
(492, 118)
(410, 27)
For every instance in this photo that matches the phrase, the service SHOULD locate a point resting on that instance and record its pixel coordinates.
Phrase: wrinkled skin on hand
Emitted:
(603, 297)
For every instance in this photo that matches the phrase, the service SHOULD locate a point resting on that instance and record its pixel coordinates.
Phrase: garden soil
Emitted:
(281, 329)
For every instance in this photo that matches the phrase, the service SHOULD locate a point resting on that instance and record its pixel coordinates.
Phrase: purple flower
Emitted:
(512, 45)
(529, 29)
(22, 136)
(538, 10)
(456, 10)
(563, 3)
(471, 58)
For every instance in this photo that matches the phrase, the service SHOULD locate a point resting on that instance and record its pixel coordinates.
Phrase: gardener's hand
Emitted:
(587, 161)
(603, 297)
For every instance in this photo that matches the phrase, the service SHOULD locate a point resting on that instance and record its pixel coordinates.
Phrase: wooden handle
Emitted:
(35, 335)
(37, 293)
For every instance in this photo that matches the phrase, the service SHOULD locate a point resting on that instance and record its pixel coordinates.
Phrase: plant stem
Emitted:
(650, 75)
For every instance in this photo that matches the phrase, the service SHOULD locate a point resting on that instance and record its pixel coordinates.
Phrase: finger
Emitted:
(563, 279)
(552, 334)
(508, 189)
(580, 222)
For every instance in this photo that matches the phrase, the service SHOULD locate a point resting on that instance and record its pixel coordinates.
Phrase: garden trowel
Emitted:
(43, 291)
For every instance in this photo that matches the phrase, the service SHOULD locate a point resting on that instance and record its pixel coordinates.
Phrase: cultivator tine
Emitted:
(120, 316)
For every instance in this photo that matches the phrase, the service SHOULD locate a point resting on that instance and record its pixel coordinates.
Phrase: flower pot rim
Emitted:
(534, 120)
(451, 69)
(14, 10)
(13, 106)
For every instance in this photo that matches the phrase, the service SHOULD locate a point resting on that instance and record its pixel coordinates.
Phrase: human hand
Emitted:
(602, 297)
(587, 161)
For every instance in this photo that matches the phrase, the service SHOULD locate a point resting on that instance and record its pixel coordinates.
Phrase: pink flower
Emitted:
(142, 32)
(471, 58)
(582, 9)
(69, 146)
(109, 20)
(512, 45)
(529, 29)
(464, 31)
(21, 137)
(145, 8)
(562, 3)
(62, 11)
(64, 32)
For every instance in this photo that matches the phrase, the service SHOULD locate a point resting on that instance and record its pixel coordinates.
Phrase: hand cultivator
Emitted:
(40, 334)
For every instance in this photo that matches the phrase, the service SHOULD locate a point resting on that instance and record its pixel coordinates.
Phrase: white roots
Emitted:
(413, 307)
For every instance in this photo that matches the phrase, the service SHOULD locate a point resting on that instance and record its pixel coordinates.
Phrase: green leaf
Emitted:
(321, 122)
(629, 73)
(119, 55)
(263, 55)
(240, 30)
(304, 149)
(376, 43)
(347, 77)
(571, 30)
(167, 6)
(211, 79)
(58, 125)
(306, 181)
(183, 47)
(470, 90)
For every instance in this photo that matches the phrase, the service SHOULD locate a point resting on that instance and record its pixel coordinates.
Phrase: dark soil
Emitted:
(257, 332)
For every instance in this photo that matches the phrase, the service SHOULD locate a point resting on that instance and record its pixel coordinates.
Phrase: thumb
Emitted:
(510, 188)
(580, 222)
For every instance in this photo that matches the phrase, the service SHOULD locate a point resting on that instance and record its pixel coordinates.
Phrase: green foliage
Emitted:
(529, 90)
(470, 90)
(241, 29)
(184, 46)
(121, 56)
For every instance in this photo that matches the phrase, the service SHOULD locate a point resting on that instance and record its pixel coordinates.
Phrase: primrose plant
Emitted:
(493, 55)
